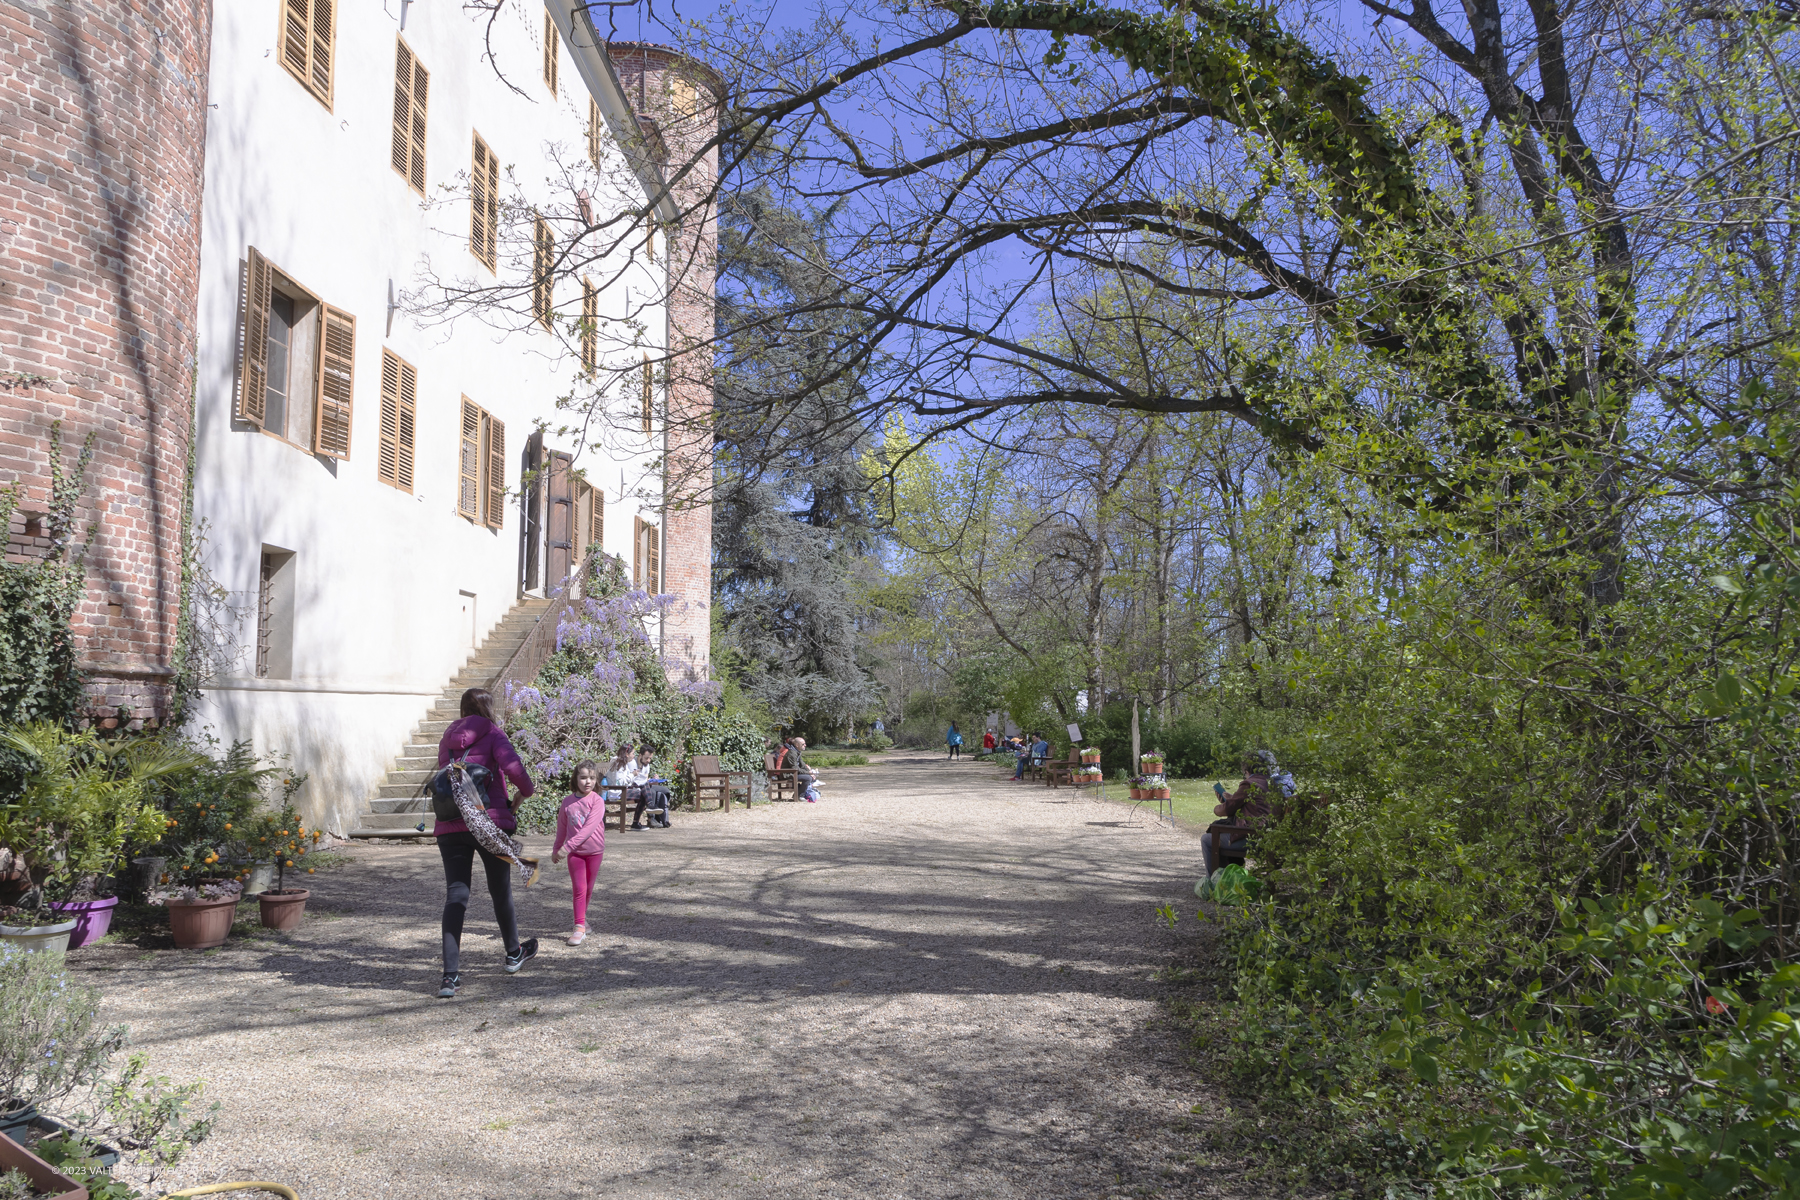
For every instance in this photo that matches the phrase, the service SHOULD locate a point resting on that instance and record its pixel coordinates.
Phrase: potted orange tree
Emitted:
(281, 837)
(83, 800)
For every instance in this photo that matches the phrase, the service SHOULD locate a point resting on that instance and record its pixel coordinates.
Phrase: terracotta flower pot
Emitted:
(1162, 793)
(1137, 793)
(201, 924)
(283, 910)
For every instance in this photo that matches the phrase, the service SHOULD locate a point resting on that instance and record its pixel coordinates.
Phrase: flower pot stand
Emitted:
(201, 924)
(283, 910)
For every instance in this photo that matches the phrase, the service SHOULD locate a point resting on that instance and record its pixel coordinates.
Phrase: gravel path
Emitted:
(934, 983)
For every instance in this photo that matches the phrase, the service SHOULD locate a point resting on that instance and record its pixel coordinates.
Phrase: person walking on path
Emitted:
(954, 739)
(581, 830)
(475, 738)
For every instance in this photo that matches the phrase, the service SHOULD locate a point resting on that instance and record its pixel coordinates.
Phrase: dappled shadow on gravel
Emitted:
(932, 984)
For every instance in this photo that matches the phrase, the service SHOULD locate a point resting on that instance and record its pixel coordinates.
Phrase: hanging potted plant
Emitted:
(84, 799)
(283, 836)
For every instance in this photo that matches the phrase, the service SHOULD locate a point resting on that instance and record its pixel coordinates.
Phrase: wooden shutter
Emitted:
(253, 378)
(412, 84)
(598, 528)
(308, 28)
(336, 383)
(468, 462)
(590, 326)
(484, 204)
(543, 259)
(496, 471)
(399, 416)
(550, 46)
(593, 131)
(637, 552)
(653, 555)
(649, 391)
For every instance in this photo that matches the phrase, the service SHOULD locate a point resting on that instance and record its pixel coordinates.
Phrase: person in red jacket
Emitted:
(477, 739)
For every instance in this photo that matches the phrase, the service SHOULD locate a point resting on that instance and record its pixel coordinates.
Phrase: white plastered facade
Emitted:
(388, 589)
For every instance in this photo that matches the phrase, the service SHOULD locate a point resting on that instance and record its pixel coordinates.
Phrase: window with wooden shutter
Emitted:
(650, 227)
(412, 83)
(336, 383)
(646, 557)
(495, 480)
(484, 204)
(649, 392)
(399, 417)
(253, 376)
(468, 462)
(308, 29)
(653, 554)
(551, 43)
(543, 262)
(597, 530)
(590, 326)
(593, 131)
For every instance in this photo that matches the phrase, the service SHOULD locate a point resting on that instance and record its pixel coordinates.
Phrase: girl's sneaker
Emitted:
(447, 991)
(579, 936)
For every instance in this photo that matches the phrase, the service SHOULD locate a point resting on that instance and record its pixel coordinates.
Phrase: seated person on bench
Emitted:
(653, 793)
(1249, 805)
(1027, 747)
(616, 780)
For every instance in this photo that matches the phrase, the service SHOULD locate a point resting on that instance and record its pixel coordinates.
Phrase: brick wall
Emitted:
(102, 130)
(681, 97)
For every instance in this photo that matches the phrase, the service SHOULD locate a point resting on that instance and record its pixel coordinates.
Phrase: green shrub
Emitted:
(52, 1041)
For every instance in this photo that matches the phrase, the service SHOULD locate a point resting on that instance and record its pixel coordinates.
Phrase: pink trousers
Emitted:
(584, 869)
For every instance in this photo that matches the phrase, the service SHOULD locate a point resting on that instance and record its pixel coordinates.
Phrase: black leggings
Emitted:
(459, 851)
(956, 751)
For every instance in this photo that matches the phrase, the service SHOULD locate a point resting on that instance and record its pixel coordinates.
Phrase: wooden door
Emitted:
(559, 518)
(531, 529)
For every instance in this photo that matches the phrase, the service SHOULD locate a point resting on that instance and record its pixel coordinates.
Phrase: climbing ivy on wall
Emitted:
(39, 679)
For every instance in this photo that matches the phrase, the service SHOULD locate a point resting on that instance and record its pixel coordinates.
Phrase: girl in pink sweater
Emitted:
(581, 831)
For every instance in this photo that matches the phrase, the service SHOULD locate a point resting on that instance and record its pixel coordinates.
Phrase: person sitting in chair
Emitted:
(1249, 805)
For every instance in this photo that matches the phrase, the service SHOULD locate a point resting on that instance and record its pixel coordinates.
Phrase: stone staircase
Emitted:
(396, 809)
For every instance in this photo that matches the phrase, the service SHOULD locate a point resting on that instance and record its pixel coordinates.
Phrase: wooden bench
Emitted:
(711, 782)
(1058, 771)
(1217, 832)
(784, 782)
(616, 804)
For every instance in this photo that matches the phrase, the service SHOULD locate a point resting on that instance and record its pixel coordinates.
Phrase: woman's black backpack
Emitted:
(443, 790)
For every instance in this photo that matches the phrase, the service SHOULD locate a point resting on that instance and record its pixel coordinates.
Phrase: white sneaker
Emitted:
(579, 936)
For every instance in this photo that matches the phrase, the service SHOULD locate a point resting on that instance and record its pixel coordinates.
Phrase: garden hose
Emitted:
(207, 1189)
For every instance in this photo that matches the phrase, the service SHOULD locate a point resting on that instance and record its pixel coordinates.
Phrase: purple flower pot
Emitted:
(92, 919)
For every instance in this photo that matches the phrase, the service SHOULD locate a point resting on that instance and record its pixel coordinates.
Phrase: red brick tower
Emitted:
(102, 136)
(677, 100)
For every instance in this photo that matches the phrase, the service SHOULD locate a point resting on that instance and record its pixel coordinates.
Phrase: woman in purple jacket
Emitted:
(477, 738)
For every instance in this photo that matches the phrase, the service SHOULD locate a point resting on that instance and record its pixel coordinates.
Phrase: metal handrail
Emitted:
(540, 643)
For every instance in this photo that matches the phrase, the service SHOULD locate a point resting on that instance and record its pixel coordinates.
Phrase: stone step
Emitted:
(431, 729)
(417, 750)
(367, 834)
(398, 804)
(417, 762)
(415, 778)
(396, 791)
(381, 820)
